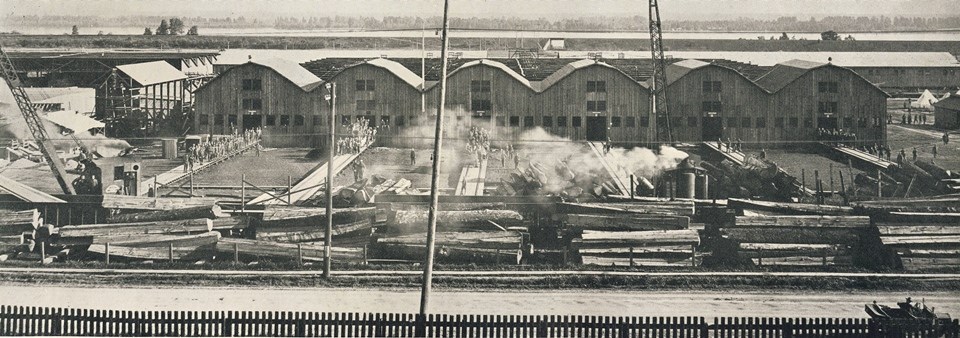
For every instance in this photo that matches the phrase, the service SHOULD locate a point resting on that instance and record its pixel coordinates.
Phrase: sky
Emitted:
(529, 9)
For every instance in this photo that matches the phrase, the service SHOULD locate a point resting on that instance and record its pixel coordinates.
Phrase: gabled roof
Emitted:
(677, 70)
(952, 102)
(785, 73)
(151, 73)
(485, 62)
(395, 68)
(574, 66)
(291, 71)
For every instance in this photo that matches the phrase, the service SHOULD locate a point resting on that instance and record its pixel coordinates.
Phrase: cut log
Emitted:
(18, 218)
(279, 216)
(621, 261)
(804, 261)
(124, 202)
(444, 206)
(920, 263)
(804, 221)
(639, 251)
(489, 240)
(922, 229)
(789, 208)
(399, 187)
(765, 250)
(155, 253)
(792, 235)
(920, 217)
(296, 234)
(679, 208)
(450, 254)
(917, 241)
(310, 252)
(230, 223)
(169, 215)
(612, 239)
(139, 240)
(158, 227)
(409, 222)
(626, 222)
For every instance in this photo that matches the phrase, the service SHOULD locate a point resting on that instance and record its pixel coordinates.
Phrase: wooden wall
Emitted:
(740, 98)
(911, 79)
(279, 97)
(393, 96)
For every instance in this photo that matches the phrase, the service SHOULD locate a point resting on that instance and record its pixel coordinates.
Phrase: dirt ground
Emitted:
(798, 164)
(907, 137)
(502, 302)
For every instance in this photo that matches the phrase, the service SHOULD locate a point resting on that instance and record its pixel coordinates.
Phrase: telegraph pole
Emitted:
(435, 178)
(328, 232)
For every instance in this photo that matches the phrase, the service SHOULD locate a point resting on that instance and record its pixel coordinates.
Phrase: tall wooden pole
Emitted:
(435, 178)
(328, 232)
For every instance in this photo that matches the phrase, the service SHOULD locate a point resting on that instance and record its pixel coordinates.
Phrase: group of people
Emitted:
(731, 145)
(912, 119)
(479, 143)
(362, 135)
(836, 135)
(509, 152)
(206, 151)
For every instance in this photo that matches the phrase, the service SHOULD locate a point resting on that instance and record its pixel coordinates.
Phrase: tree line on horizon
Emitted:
(593, 23)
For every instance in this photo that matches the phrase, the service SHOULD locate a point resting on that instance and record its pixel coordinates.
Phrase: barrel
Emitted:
(169, 146)
(703, 184)
(686, 184)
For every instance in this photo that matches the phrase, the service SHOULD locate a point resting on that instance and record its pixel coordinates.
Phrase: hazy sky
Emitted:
(550, 9)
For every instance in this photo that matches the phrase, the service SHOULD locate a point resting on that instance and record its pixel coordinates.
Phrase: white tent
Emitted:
(925, 101)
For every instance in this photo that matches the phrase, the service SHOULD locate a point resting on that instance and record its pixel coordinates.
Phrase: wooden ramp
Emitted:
(26, 193)
(177, 174)
(731, 155)
(864, 157)
(619, 174)
(471, 182)
(310, 184)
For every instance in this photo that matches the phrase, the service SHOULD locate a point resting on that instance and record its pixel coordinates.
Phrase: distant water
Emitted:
(891, 36)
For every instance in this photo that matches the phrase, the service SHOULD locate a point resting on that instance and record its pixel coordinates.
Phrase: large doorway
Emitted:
(252, 121)
(828, 123)
(596, 128)
(712, 128)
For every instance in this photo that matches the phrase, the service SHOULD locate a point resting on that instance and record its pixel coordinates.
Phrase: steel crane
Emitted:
(659, 84)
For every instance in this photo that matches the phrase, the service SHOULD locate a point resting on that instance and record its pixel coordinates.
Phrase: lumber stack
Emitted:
(797, 240)
(305, 224)
(203, 211)
(933, 204)
(782, 208)
(415, 221)
(141, 203)
(160, 247)
(488, 247)
(922, 245)
(625, 222)
(638, 248)
(16, 222)
(676, 208)
(312, 252)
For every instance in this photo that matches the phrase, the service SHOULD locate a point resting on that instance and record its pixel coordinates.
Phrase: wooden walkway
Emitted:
(310, 184)
(619, 174)
(740, 158)
(472, 180)
(862, 156)
(178, 174)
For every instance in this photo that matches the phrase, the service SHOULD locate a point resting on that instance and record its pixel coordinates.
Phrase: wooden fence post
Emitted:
(43, 252)
(226, 322)
(236, 253)
(106, 253)
(170, 252)
(299, 254)
(243, 192)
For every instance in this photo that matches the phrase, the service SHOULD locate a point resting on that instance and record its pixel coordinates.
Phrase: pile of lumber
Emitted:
(310, 252)
(797, 240)
(287, 224)
(754, 177)
(638, 248)
(783, 208)
(152, 240)
(922, 241)
(675, 208)
(556, 179)
(16, 232)
(933, 204)
(487, 247)
(415, 221)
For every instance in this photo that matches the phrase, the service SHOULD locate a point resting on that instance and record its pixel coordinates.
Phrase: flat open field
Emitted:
(923, 138)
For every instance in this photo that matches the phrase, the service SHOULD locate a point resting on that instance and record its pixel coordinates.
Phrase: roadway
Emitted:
(504, 302)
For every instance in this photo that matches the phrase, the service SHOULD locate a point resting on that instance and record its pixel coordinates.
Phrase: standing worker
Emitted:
(413, 157)
(763, 154)
(914, 153)
(946, 137)
(516, 160)
(934, 151)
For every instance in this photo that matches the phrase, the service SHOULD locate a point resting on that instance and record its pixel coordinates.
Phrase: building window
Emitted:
(317, 120)
(692, 121)
(615, 121)
(231, 120)
(298, 120)
(778, 122)
(480, 105)
(547, 121)
(644, 121)
(675, 121)
(712, 87)
(827, 107)
(562, 121)
(808, 122)
(345, 120)
(631, 122)
(761, 122)
(271, 120)
(712, 106)
(593, 106)
(251, 104)
(528, 121)
(385, 120)
(794, 122)
(218, 119)
(827, 87)
(284, 120)
(252, 84)
(596, 86)
(400, 121)
(366, 105)
(745, 122)
(577, 121)
(501, 121)
(366, 86)
(514, 121)
(480, 96)
(732, 122)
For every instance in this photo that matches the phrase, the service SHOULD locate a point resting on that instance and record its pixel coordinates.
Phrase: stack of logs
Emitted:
(556, 180)
(798, 240)
(923, 232)
(16, 232)
(754, 178)
(467, 233)
(632, 233)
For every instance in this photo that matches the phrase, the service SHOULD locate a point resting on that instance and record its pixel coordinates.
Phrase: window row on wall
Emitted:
(267, 120)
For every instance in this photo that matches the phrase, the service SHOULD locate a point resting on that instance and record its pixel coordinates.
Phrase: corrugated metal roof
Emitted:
(572, 67)
(399, 70)
(291, 71)
(512, 73)
(151, 73)
(783, 74)
(677, 70)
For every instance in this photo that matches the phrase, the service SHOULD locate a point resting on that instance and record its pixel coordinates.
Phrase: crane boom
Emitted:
(34, 123)
(659, 89)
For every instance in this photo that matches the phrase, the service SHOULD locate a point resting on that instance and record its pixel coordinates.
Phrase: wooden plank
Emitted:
(952, 240)
(620, 261)
(490, 239)
(278, 215)
(312, 183)
(920, 263)
(140, 203)
(804, 260)
(793, 235)
(607, 239)
(922, 229)
(815, 221)
(625, 222)
(153, 253)
(861, 156)
(204, 211)
(679, 208)
(310, 251)
(27, 193)
(295, 234)
(147, 240)
(156, 227)
(790, 208)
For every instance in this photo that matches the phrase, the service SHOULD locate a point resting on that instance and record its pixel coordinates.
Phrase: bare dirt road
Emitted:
(546, 302)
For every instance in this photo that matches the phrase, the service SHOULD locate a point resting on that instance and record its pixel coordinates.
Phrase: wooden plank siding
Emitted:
(393, 98)
(625, 98)
(856, 98)
(910, 79)
(740, 98)
(279, 97)
(508, 97)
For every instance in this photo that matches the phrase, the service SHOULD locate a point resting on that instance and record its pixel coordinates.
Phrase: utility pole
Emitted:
(328, 232)
(435, 174)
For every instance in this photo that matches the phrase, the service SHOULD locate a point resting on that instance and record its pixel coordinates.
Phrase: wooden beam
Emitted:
(814, 221)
